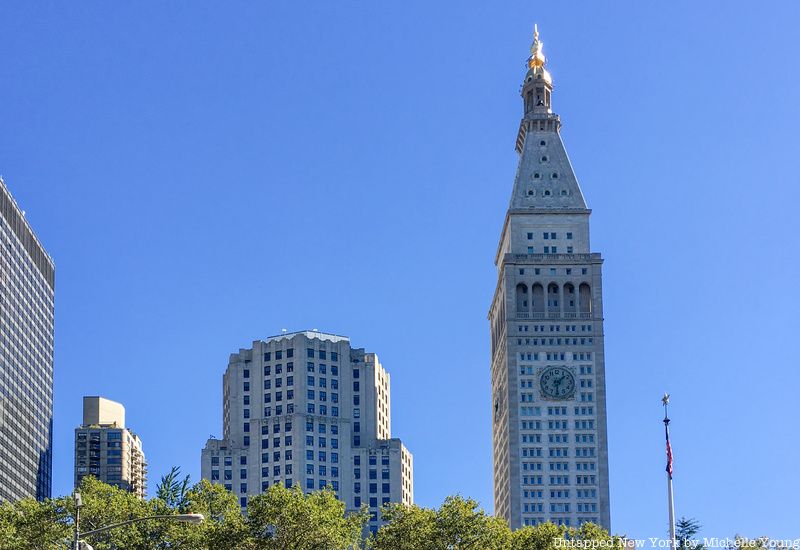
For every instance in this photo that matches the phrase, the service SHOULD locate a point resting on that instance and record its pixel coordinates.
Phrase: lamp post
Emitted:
(78, 544)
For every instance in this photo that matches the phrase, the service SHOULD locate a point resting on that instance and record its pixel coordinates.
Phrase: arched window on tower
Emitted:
(570, 298)
(522, 298)
(552, 298)
(537, 298)
(585, 298)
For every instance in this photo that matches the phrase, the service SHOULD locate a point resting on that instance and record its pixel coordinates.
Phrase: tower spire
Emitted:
(537, 58)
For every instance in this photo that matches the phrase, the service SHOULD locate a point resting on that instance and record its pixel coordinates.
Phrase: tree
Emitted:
(224, 527)
(406, 528)
(174, 491)
(459, 524)
(685, 530)
(105, 505)
(538, 537)
(31, 525)
(286, 519)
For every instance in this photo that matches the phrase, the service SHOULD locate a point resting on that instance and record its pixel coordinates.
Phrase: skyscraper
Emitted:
(305, 408)
(107, 450)
(546, 324)
(27, 282)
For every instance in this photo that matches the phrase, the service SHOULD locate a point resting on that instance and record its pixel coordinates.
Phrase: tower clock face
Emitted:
(557, 383)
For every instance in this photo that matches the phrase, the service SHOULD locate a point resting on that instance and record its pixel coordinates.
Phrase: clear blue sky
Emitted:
(205, 175)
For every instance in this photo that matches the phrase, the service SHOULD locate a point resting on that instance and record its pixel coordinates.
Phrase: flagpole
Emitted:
(665, 401)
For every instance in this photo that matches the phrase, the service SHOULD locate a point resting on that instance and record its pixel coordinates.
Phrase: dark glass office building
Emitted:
(27, 280)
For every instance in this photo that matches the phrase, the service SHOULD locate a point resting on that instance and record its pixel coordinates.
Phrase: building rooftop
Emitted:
(309, 334)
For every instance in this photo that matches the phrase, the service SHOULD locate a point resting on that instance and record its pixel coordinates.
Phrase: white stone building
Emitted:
(546, 324)
(306, 408)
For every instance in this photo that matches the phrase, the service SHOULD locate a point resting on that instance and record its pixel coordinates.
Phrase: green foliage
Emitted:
(459, 524)
(286, 519)
(539, 537)
(174, 491)
(224, 527)
(685, 531)
(31, 525)
(280, 519)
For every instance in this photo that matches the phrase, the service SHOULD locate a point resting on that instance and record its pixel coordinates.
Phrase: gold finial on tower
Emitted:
(537, 58)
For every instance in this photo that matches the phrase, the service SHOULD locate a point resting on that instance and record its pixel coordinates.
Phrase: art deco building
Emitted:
(305, 408)
(27, 282)
(546, 325)
(107, 450)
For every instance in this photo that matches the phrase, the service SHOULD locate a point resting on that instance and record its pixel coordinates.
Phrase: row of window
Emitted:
(550, 236)
(552, 270)
(373, 488)
(551, 250)
(559, 480)
(555, 342)
(558, 466)
(310, 352)
(554, 356)
(555, 328)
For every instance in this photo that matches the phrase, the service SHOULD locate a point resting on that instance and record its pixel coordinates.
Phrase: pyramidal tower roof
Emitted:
(545, 178)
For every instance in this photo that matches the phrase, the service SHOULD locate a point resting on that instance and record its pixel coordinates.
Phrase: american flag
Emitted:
(669, 454)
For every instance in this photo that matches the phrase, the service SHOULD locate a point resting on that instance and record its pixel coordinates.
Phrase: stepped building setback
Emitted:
(305, 408)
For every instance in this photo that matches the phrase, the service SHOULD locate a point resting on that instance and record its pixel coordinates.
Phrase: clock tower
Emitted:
(546, 327)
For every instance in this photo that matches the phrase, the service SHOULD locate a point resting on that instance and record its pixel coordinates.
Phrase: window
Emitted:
(569, 236)
(290, 352)
(246, 373)
(310, 352)
(530, 236)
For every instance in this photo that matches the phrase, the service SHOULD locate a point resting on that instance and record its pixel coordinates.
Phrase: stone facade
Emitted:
(27, 282)
(306, 408)
(107, 450)
(546, 327)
